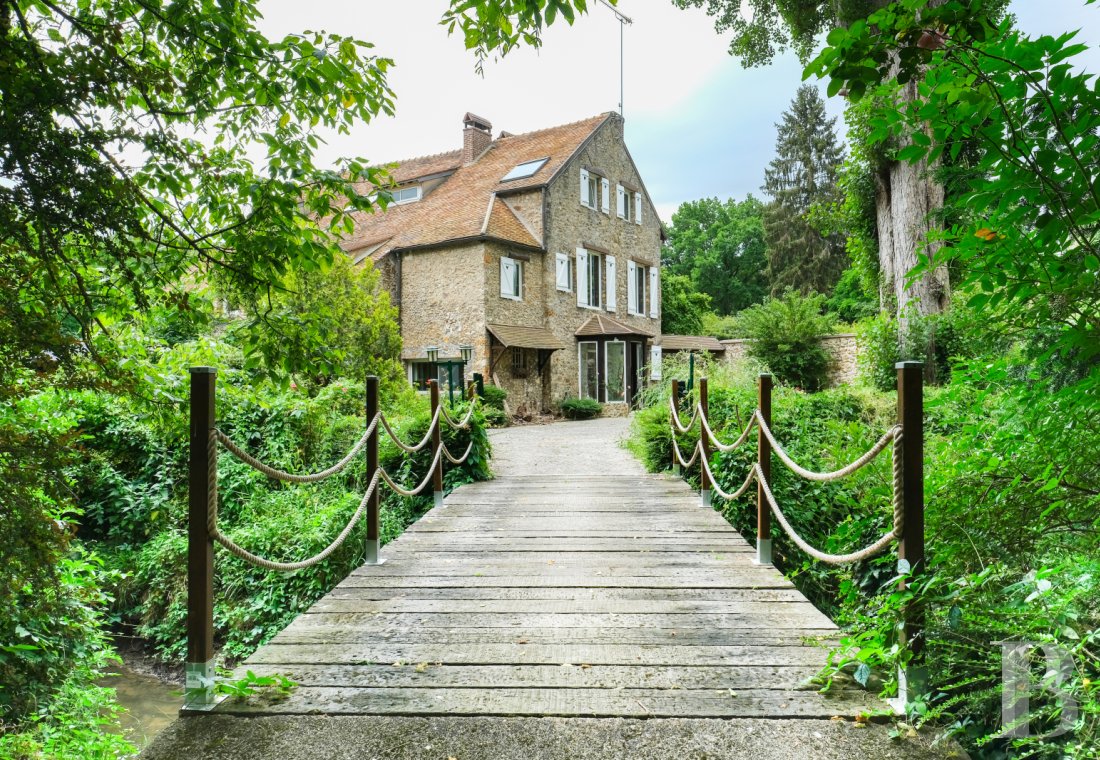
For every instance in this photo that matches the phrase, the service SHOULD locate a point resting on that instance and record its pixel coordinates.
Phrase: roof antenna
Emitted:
(623, 21)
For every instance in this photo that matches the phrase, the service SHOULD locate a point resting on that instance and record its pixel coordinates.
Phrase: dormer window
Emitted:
(405, 195)
(526, 169)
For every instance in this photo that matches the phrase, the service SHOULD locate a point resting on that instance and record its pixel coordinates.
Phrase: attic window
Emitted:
(526, 169)
(405, 195)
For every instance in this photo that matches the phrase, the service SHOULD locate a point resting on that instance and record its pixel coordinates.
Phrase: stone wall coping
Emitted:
(823, 337)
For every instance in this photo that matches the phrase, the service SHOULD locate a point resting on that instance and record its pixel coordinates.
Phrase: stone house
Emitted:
(536, 254)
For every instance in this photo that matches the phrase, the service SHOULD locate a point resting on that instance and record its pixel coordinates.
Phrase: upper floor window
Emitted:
(635, 289)
(511, 279)
(526, 169)
(590, 278)
(623, 204)
(595, 191)
(405, 195)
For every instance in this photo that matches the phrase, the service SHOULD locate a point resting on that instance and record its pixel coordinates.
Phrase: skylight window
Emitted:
(525, 169)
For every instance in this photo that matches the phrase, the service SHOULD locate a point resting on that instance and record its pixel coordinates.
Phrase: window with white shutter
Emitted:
(655, 363)
(582, 277)
(637, 208)
(611, 281)
(511, 279)
(605, 195)
(654, 291)
(631, 288)
(586, 191)
(620, 201)
(563, 272)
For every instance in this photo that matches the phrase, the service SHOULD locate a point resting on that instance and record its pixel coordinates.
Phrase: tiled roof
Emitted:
(690, 343)
(601, 324)
(525, 337)
(464, 205)
(503, 223)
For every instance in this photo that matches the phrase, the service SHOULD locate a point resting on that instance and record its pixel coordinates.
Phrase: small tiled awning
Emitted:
(601, 324)
(525, 337)
(690, 343)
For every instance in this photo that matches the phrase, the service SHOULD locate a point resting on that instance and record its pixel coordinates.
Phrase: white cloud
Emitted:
(573, 76)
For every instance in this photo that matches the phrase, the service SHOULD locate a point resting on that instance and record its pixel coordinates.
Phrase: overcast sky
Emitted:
(697, 123)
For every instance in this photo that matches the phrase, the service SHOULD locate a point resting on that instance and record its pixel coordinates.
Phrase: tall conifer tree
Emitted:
(803, 173)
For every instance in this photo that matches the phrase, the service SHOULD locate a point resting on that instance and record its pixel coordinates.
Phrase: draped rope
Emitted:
(718, 489)
(894, 435)
(726, 446)
(870, 454)
(389, 481)
(415, 447)
(465, 423)
(831, 559)
(289, 477)
(675, 415)
(680, 457)
(451, 457)
(255, 559)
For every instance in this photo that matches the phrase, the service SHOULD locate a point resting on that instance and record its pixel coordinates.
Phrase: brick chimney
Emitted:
(477, 133)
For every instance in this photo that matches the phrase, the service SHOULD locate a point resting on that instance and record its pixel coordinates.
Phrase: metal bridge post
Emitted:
(675, 405)
(764, 460)
(913, 678)
(437, 442)
(373, 504)
(201, 485)
(704, 455)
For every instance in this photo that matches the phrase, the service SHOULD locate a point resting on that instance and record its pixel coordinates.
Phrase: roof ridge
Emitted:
(456, 151)
(603, 115)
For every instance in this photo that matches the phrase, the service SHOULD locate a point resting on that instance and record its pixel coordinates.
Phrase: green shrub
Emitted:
(849, 301)
(785, 334)
(494, 397)
(580, 408)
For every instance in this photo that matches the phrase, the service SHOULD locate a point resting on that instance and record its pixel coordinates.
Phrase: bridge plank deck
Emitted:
(561, 596)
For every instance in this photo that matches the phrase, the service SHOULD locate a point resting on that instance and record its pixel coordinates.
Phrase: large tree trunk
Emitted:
(905, 199)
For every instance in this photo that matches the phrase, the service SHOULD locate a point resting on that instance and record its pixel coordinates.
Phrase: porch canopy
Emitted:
(513, 336)
(672, 343)
(603, 326)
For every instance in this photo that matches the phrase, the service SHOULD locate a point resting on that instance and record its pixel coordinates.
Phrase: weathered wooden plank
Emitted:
(553, 654)
(352, 615)
(350, 589)
(366, 577)
(351, 633)
(546, 676)
(638, 703)
(571, 608)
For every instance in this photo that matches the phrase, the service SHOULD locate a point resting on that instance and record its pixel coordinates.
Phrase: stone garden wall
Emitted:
(842, 347)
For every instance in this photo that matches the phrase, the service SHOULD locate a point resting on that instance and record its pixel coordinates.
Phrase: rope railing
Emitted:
(204, 532)
(906, 438)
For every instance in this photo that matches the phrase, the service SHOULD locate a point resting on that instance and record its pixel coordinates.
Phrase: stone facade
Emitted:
(571, 226)
(448, 293)
(842, 347)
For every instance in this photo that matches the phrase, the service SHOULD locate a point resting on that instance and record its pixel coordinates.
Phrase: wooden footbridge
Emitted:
(573, 584)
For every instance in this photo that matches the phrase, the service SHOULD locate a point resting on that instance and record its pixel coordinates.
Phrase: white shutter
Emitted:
(637, 208)
(620, 201)
(611, 281)
(562, 262)
(582, 277)
(655, 363)
(631, 288)
(585, 199)
(605, 199)
(654, 291)
(507, 278)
